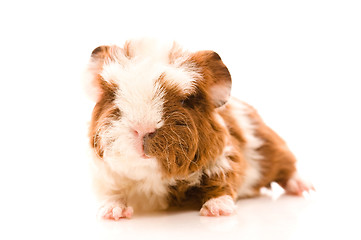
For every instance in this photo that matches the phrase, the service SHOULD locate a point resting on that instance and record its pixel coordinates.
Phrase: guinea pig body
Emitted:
(166, 132)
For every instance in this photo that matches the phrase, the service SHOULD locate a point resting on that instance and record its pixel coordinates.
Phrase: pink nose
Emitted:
(140, 133)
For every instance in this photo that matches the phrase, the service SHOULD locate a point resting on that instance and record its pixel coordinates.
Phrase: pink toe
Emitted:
(117, 213)
(297, 186)
(128, 212)
(205, 212)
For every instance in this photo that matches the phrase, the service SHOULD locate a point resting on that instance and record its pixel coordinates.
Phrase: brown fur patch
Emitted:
(191, 118)
(216, 76)
(278, 162)
(103, 112)
(101, 52)
(190, 137)
(104, 108)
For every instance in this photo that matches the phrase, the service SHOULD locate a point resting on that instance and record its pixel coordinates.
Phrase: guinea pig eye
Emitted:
(181, 124)
(186, 102)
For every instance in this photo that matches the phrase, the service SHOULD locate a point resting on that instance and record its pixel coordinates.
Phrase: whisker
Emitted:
(168, 145)
(180, 144)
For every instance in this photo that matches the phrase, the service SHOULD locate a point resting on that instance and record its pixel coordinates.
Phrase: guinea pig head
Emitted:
(155, 108)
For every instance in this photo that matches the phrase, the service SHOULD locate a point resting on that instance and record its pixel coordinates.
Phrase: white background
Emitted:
(297, 62)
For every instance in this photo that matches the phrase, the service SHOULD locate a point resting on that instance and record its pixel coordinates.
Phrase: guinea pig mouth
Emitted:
(146, 156)
(146, 145)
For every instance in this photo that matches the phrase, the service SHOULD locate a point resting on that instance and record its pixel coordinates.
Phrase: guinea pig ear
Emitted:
(94, 84)
(217, 78)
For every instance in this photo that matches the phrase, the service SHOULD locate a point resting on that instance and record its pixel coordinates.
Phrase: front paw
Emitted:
(220, 206)
(115, 211)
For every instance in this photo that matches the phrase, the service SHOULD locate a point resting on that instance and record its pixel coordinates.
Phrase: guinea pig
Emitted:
(165, 132)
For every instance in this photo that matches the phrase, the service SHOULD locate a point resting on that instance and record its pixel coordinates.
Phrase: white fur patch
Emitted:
(182, 77)
(192, 179)
(253, 175)
(222, 164)
(149, 59)
(141, 186)
(139, 96)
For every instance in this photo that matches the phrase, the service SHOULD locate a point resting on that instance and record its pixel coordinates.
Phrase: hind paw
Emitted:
(297, 186)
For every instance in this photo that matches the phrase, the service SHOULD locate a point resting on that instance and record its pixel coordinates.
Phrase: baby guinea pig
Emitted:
(166, 132)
